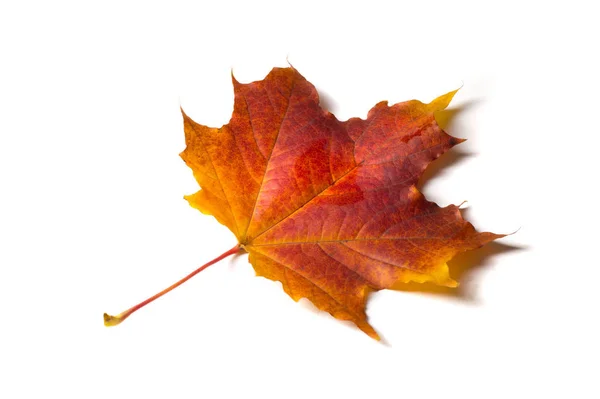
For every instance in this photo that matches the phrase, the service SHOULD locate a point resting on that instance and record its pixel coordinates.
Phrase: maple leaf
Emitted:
(328, 208)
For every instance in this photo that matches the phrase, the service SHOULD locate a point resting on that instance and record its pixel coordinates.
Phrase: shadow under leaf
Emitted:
(447, 117)
(327, 102)
(465, 265)
(441, 165)
(462, 268)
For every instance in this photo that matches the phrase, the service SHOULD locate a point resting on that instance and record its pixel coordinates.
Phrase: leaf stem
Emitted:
(110, 321)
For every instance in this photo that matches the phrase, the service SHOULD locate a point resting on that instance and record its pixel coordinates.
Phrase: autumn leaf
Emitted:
(328, 208)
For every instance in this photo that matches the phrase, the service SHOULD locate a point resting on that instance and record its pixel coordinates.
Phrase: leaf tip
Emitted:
(370, 331)
(233, 79)
(442, 101)
(455, 141)
(183, 112)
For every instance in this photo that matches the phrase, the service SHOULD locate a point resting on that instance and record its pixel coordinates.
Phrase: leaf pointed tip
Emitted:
(287, 59)
(443, 101)
(455, 141)
(370, 331)
(373, 334)
(233, 79)
(186, 118)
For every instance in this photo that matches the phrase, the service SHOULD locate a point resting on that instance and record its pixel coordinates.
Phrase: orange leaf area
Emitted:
(328, 208)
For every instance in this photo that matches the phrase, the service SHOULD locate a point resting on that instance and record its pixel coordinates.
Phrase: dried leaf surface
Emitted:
(328, 208)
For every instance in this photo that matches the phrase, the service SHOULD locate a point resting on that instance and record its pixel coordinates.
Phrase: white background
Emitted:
(92, 216)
